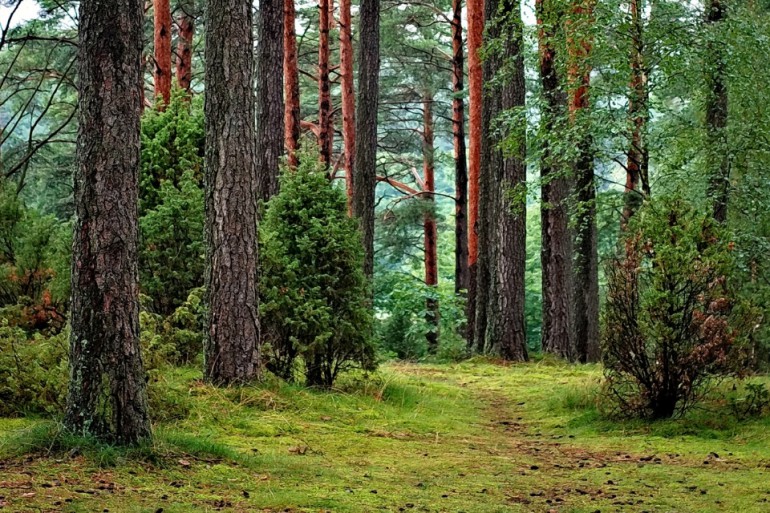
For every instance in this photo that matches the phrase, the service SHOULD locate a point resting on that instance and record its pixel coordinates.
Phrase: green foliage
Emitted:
(176, 339)
(754, 403)
(670, 322)
(171, 203)
(314, 295)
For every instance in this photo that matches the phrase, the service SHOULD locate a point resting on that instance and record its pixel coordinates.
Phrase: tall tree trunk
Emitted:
(556, 253)
(475, 13)
(184, 48)
(506, 332)
(232, 346)
(637, 167)
(162, 10)
(348, 97)
(717, 158)
(292, 116)
(270, 108)
(429, 223)
(586, 262)
(107, 392)
(325, 133)
(461, 163)
(365, 175)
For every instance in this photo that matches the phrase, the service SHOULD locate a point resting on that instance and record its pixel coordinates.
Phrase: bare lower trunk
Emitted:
(348, 98)
(232, 349)
(270, 108)
(325, 133)
(461, 162)
(429, 224)
(292, 117)
(107, 392)
(162, 10)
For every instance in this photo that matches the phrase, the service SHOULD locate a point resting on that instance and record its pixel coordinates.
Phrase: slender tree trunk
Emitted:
(270, 107)
(475, 13)
(107, 391)
(506, 332)
(348, 97)
(232, 346)
(162, 10)
(429, 223)
(586, 262)
(718, 160)
(325, 133)
(292, 116)
(365, 175)
(637, 176)
(184, 48)
(556, 253)
(461, 164)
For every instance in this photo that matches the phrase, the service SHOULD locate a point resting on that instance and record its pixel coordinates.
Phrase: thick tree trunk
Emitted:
(162, 10)
(506, 332)
(232, 347)
(292, 116)
(270, 108)
(718, 160)
(325, 130)
(637, 176)
(475, 13)
(184, 48)
(365, 175)
(586, 262)
(556, 253)
(429, 223)
(107, 392)
(348, 97)
(461, 162)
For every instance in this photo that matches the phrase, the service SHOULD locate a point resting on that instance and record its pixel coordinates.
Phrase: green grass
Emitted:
(472, 437)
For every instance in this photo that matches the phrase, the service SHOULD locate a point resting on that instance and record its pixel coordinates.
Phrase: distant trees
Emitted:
(232, 347)
(162, 57)
(107, 391)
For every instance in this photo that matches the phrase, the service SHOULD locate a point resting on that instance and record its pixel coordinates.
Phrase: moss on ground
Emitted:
(474, 437)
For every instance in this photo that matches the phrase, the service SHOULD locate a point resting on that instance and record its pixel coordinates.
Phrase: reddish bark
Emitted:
(429, 223)
(292, 117)
(348, 97)
(324, 85)
(162, 10)
(461, 164)
(186, 24)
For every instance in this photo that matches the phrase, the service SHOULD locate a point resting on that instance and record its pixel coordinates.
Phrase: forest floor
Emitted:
(474, 437)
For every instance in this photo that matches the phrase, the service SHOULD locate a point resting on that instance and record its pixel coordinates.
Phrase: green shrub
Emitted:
(314, 293)
(670, 322)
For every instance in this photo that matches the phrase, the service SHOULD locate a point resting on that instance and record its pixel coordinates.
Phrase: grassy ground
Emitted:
(473, 438)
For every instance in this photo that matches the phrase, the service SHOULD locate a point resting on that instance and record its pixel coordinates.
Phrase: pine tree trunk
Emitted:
(107, 391)
(637, 178)
(162, 10)
(461, 162)
(186, 23)
(717, 160)
(429, 223)
(475, 13)
(232, 347)
(556, 253)
(270, 108)
(348, 97)
(506, 333)
(586, 262)
(324, 86)
(365, 175)
(292, 116)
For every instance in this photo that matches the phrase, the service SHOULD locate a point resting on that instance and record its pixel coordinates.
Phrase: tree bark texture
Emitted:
(365, 171)
(292, 116)
(325, 129)
(107, 392)
(556, 252)
(162, 11)
(184, 48)
(461, 158)
(232, 346)
(348, 98)
(718, 160)
(429, 224)
(586, 260)
(270, 107)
